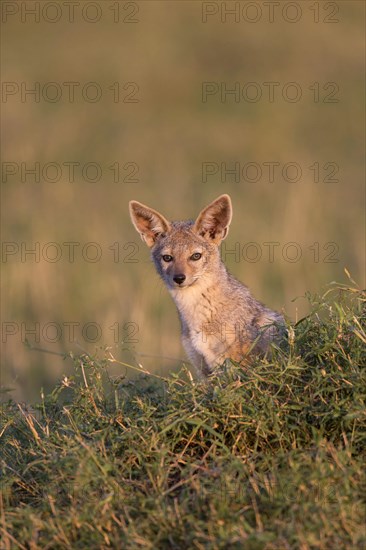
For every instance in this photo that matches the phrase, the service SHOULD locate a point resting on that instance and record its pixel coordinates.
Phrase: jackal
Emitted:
(220, 318)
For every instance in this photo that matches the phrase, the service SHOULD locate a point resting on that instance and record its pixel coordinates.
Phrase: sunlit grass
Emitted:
(265, 457)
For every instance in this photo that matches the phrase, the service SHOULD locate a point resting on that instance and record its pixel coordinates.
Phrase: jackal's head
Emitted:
(184, 252)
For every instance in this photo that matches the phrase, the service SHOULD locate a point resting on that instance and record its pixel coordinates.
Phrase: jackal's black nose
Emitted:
(179, 279)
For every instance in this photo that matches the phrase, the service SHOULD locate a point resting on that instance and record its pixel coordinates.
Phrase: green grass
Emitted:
(269, 457)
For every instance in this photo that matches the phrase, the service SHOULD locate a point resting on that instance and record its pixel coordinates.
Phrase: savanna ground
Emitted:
(267, 457)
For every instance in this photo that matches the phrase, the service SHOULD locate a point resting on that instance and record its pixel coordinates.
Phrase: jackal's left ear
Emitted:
(214, 220)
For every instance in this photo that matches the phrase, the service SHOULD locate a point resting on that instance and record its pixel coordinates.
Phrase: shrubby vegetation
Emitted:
(269, 457)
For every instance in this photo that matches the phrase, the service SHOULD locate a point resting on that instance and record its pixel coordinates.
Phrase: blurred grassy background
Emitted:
(169, 133)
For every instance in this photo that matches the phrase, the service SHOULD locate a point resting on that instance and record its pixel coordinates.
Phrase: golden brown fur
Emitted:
(220, 318)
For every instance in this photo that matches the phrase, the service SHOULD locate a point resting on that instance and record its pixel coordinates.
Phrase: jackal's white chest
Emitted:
(202, 319)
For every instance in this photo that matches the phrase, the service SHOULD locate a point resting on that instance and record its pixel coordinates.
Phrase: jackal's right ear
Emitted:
(148, 222)
(214, 220)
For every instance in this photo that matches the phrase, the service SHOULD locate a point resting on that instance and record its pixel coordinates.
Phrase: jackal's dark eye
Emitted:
(167, 258)
(196, 256)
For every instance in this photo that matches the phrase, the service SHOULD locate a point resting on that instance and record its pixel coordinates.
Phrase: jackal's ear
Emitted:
(150, 224)
(214, 220)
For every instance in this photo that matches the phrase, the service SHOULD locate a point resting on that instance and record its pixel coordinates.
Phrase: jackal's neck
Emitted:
(204, 289)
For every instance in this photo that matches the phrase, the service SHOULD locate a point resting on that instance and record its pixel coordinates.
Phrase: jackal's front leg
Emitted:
(195, 358)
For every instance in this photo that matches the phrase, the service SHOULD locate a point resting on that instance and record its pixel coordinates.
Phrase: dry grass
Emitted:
(265, 458)
(169, 133)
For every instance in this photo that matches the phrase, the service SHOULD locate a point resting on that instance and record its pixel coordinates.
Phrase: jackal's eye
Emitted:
(167, 258)
(196, 256)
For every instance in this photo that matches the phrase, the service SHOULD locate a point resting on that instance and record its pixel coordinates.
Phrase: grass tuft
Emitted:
(268, 457)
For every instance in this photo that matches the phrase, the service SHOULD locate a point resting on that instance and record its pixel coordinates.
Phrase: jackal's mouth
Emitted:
(183, 284)
(180, 285)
